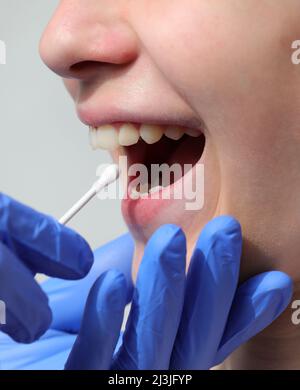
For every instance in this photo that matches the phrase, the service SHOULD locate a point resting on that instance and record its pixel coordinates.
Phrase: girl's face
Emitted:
(222, 66)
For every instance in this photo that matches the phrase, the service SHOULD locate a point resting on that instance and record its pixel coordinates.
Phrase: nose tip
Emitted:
(75, 45)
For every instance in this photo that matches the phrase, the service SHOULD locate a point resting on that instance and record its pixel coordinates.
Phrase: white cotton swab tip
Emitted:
(109, 176)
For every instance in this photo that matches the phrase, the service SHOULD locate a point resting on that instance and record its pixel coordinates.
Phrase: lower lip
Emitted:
(142, 211)
(145, 210)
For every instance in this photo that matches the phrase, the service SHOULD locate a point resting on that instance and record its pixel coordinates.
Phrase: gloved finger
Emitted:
(42, 243)
(116, 254)
(50, 352)
(257, 303)
(157, 303)
(211, 283)
(101, 324)
(27, 314)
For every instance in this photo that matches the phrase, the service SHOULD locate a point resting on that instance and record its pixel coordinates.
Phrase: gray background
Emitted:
(45, 158)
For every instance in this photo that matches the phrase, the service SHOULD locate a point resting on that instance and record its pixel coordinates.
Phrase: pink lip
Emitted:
(110, 114)
(140, 212)
(143, 211)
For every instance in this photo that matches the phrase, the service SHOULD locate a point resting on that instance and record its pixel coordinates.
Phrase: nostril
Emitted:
(84, 65)
(85, 68)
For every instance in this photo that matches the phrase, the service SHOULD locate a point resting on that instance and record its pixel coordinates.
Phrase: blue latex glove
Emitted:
(67, 300)
(67, 317)
(195, 322)
(175, 321)
(31, 242)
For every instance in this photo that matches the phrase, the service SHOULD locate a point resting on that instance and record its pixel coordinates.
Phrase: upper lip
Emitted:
(109, 115)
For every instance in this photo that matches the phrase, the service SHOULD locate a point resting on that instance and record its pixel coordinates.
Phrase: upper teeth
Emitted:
(174, 133)
(109, 138)
(151, 133)
(128, 135)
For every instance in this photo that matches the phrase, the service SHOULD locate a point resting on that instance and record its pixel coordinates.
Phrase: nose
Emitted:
(85, 34)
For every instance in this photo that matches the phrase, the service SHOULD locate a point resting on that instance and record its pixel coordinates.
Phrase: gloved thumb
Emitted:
(257, 303)
(101, 324)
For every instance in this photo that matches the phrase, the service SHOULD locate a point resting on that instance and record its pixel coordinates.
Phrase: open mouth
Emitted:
(175, 148)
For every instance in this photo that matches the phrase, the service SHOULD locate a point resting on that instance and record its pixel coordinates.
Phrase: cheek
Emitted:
(234, 77)
(183, 46)
(214, 54)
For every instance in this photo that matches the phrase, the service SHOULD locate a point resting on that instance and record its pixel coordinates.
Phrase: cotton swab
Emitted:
(109, 176)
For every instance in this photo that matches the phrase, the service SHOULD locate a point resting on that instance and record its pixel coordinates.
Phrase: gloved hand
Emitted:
(175, 321)
(30, 243)
(67, 301)
(193, 322)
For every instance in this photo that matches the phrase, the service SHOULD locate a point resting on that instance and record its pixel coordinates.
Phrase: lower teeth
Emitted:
(155, 189)
(144, 191)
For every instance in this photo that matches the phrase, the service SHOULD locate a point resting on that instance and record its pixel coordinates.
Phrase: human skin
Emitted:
(225, 63)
